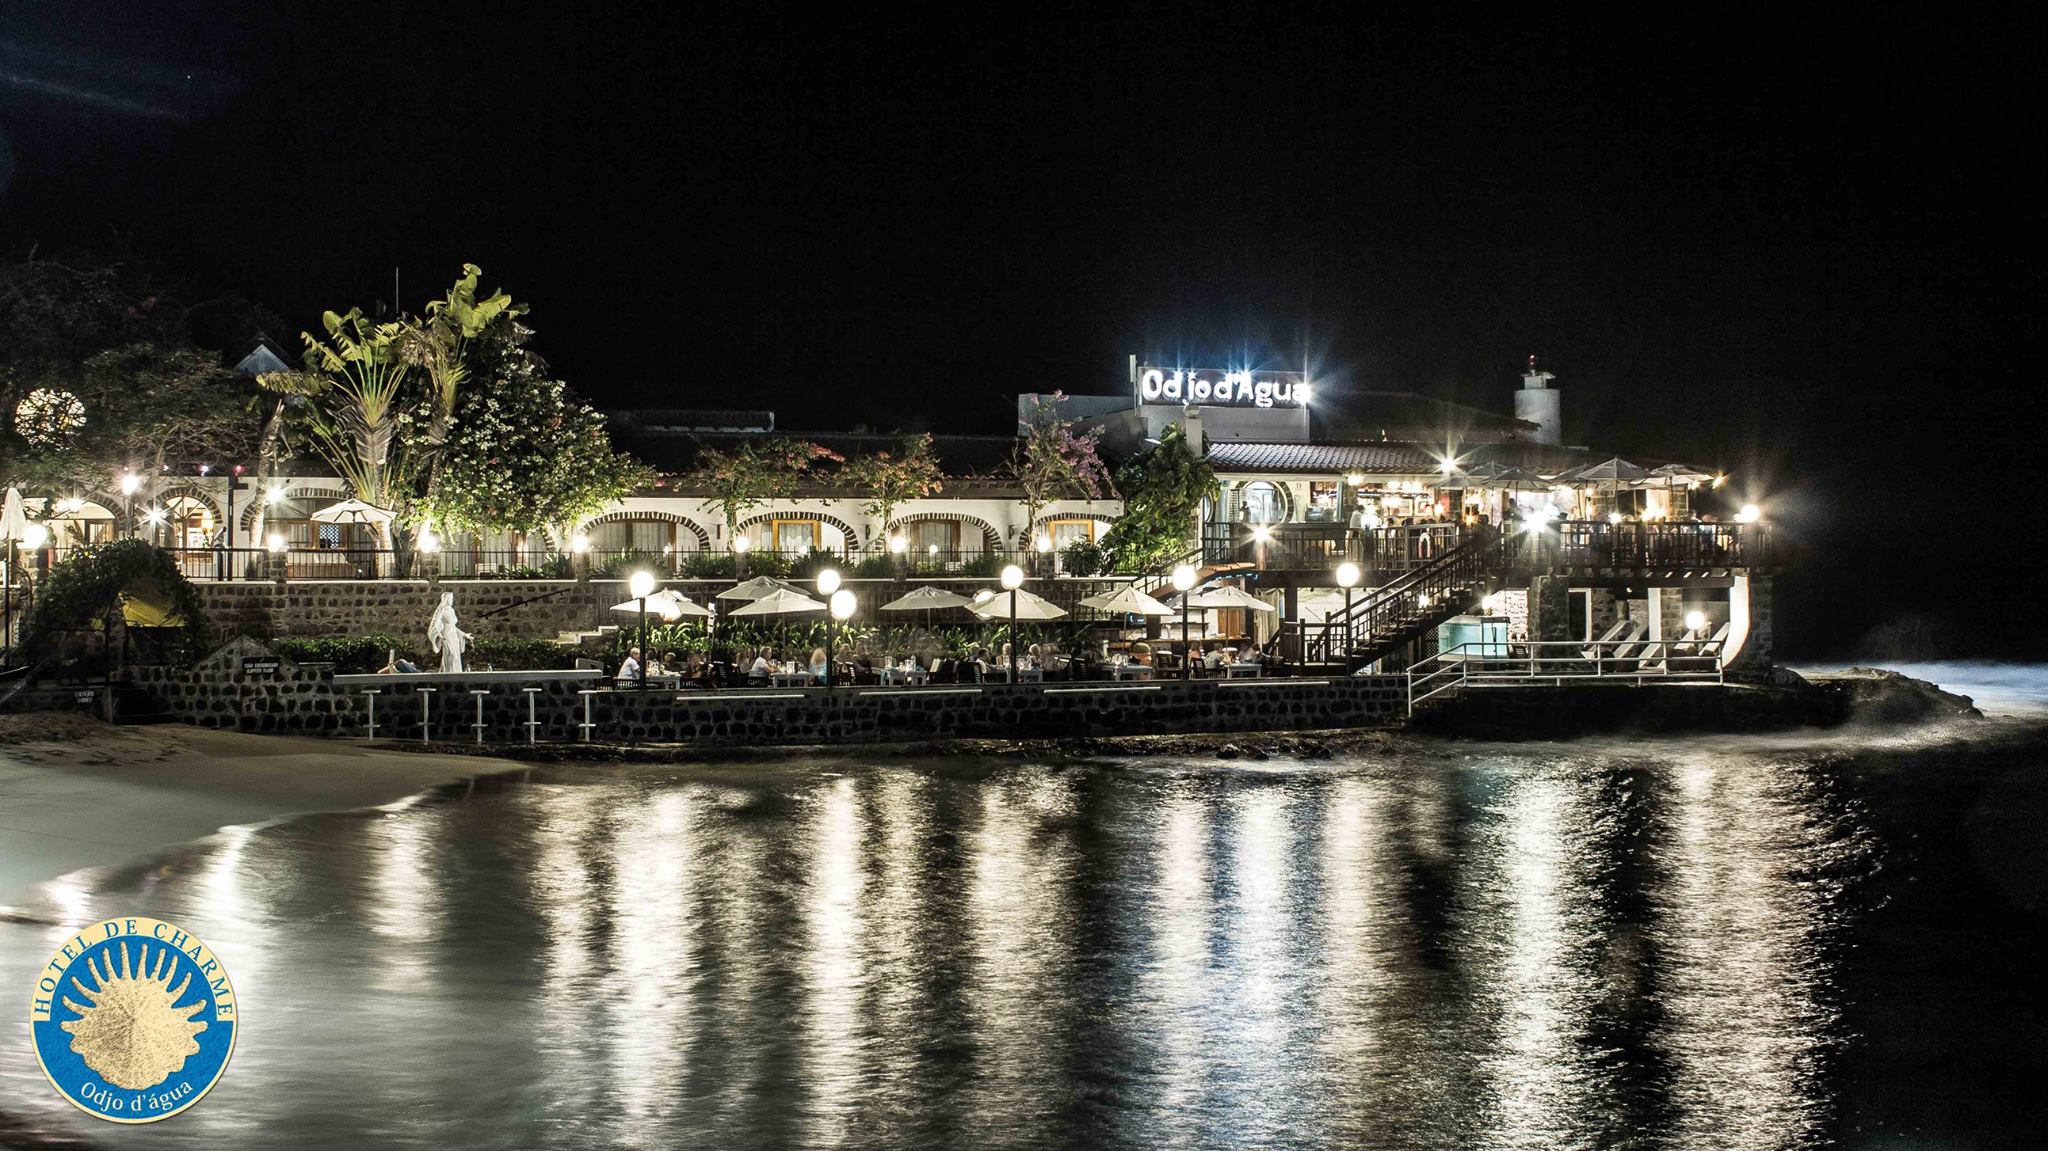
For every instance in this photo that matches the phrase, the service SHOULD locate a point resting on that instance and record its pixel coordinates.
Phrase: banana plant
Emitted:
(354, 390)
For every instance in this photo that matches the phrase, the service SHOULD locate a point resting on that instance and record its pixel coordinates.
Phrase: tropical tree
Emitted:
(890, 478)
(355, 386)
(439, 344)
(100, 371)
(1163, 488)
(1051, 462)
(522, 452)
(752, 474)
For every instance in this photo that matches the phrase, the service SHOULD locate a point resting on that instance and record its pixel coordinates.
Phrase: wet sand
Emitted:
(77, 794)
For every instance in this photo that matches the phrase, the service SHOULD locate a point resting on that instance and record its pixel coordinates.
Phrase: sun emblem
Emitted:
(134, 1034)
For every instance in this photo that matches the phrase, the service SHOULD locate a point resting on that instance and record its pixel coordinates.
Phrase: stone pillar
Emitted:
(1759, 651)
(1550, 608)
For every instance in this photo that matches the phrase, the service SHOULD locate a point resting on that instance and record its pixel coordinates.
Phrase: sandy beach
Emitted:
(75, 793)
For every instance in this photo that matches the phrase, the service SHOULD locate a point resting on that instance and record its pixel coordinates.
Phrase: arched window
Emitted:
(1262, 503)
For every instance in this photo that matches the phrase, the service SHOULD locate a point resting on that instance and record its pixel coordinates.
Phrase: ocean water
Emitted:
(1755, 942)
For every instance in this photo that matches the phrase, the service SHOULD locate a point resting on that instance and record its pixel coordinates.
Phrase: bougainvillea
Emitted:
(1051, 462)
(890, 478)
(752, 474)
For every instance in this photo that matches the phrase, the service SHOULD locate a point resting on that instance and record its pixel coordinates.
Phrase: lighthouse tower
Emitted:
(1541, 404)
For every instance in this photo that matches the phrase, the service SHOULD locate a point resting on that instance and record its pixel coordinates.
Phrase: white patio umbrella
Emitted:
(927, 598)
(13, 516)
(1227, 597)
(1029, 606)
(757, 588)
(1126, 600)
(781, 601)
(352, 511)
(1616, 473)
(1679, 475)
(667, 604)
(13, 526)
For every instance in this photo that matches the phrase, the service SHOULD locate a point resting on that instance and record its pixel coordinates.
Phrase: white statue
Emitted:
(447, 638)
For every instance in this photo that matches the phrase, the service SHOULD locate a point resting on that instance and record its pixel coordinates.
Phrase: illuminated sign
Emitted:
(1222, 389)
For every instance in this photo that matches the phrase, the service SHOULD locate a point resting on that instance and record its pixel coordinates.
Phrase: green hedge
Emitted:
(354, 654)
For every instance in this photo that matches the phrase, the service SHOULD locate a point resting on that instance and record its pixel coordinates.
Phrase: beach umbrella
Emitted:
(1227, 597)
(1029, 606)
(781, 601)
(757, 588)
(1126, 600)
(927, 598)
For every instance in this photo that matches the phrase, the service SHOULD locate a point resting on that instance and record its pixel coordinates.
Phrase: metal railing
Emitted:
(1599, 544)
(1524, 663)
(1391, 610)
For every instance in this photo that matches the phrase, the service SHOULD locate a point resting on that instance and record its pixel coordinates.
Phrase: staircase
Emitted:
(1383, 620)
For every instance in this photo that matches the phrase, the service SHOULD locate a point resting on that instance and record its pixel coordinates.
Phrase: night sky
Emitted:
(1805, 248)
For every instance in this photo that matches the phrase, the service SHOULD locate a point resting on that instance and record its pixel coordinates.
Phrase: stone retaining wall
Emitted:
(238, 687)
(309, 608)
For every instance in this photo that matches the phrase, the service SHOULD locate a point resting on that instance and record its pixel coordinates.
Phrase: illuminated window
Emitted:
(1322, 501)
(1064, 532)
(796, 535)
(1263, 503)
(928, 534)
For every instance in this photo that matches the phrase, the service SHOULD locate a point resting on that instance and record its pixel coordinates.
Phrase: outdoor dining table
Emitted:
(791, 679)
(1024, 674)
(1134, 671)
(1241, 670)
(916, 677)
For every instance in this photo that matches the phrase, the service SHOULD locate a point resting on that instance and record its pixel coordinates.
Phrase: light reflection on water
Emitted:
(1437, 946)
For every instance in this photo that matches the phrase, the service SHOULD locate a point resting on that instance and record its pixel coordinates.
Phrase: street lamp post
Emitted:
(1184, 583)
(640, 585)
(841, 610)
(828, 586)
(1347, 578)
(1013, 578)
(740, 544)
(129, 482)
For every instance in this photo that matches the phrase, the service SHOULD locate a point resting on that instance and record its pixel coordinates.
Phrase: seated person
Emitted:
(631, 671)
(1141, 654)
(1034, 656)
(393, 665)
(764, 661)
(818, 664)
(1212, 659)
(672, 665)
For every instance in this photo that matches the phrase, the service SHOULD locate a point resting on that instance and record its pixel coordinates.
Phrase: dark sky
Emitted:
(1802, 246)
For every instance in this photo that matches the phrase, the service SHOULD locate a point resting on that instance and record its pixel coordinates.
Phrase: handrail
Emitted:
(1481, 663)
(522, 603)
(1450, 574)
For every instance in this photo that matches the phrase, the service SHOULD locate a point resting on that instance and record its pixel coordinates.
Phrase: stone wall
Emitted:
(535, 608)
(243, 686)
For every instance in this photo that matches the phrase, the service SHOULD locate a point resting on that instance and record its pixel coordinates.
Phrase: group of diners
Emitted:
(981, 663)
